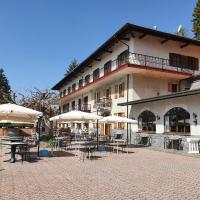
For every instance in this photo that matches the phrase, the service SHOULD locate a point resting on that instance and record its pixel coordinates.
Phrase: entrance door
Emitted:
(108, 129)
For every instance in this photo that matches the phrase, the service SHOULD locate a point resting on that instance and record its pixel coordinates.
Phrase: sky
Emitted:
(39, 38)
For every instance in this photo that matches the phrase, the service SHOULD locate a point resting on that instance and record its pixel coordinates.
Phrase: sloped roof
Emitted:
(127, 28)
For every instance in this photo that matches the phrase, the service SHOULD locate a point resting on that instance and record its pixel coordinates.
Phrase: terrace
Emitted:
(132, 63)
(125, 176)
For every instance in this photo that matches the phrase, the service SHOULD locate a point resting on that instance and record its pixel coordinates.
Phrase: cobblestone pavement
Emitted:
(143, 174)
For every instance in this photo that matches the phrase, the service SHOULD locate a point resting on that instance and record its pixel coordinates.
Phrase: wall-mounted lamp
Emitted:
(195, 118)
(157, 117)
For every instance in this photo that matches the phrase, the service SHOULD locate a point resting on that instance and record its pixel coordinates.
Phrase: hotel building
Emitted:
(141, 73)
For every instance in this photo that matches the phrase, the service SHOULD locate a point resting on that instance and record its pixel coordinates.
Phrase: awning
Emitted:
(163, 97)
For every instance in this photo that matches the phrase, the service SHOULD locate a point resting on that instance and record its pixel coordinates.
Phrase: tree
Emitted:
(72, 66)
(5, 89)
(44, 101)
(196, 21)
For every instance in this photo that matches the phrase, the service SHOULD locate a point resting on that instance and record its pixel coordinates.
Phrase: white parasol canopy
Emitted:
(76, 116)
(18, 113)
(117, 119)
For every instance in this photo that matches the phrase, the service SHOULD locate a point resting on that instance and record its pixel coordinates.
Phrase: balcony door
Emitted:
(79, 104)
(122, 58)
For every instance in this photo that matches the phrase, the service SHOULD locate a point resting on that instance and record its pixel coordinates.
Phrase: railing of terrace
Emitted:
(135, 59)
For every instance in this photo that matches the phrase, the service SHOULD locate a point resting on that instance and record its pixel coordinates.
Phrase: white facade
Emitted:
(143, 82)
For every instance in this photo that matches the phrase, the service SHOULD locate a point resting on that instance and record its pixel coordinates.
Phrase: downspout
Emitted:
(127, 87)
(127, 95)
(122, 42)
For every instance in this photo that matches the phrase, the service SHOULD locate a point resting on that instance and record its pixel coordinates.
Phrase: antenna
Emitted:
(155, 28)
(179, 28)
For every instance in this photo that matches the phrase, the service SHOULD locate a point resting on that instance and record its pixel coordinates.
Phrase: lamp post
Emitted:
(98, 106)
(39, 131)
(39, 122)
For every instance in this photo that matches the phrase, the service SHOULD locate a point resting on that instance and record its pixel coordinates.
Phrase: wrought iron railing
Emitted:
(83, 107)
(140, 60)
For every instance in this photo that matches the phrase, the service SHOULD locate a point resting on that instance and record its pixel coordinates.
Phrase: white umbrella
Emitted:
(117, 119)
(76, 116)
(18, 113)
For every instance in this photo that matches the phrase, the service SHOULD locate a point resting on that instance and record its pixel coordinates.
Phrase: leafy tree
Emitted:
(72, 66)
(5, 90)
(196, 21)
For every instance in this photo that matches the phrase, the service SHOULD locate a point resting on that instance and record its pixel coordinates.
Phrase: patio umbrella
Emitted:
(76, 116)
(18, 113)
(117, 119)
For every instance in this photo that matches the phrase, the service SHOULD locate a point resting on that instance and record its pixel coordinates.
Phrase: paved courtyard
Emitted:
(142, 174)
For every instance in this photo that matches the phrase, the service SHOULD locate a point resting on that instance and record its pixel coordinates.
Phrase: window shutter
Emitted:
(95, 97)
(169, 87)
(196, 67)
(115, 124)
(116, 91)
(123, 89)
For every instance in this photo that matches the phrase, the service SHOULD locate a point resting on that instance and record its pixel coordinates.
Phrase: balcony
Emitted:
(83, 107)
(132, 60)
(104, 103)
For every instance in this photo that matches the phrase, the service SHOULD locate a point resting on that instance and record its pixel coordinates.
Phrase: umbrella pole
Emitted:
(97, 132)
(39, 128)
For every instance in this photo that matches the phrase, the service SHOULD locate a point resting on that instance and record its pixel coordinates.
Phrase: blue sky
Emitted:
(39, 38)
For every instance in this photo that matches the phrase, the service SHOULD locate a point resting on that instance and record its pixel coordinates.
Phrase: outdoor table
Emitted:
(82, 143)
(13, 149)
(118, 142)
(58, 139)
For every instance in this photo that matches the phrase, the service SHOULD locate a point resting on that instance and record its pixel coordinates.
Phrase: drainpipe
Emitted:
(122, 42)
(127, 89)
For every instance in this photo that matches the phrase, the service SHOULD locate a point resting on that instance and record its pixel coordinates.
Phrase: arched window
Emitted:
(147, 121)
(177, 120)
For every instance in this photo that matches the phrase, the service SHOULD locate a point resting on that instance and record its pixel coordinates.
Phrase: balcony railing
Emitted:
(103, 103)
(83, 107)
(135, 59)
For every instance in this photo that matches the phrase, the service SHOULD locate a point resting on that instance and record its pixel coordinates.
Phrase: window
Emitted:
(87, 79)
(175, 60)
(116, 91)
(95, 74)
(121, 125)
(122, 58)
(147, 121)
(176, 120)
(61, 94)
(64, 92)
(188, 62)
(80, 83)
(66, 108)
(73, 87)
(73, 105)
(107, 67)
(172, 87)
(97, 96)
(193, 63)
(121, 89)
(69, 90)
